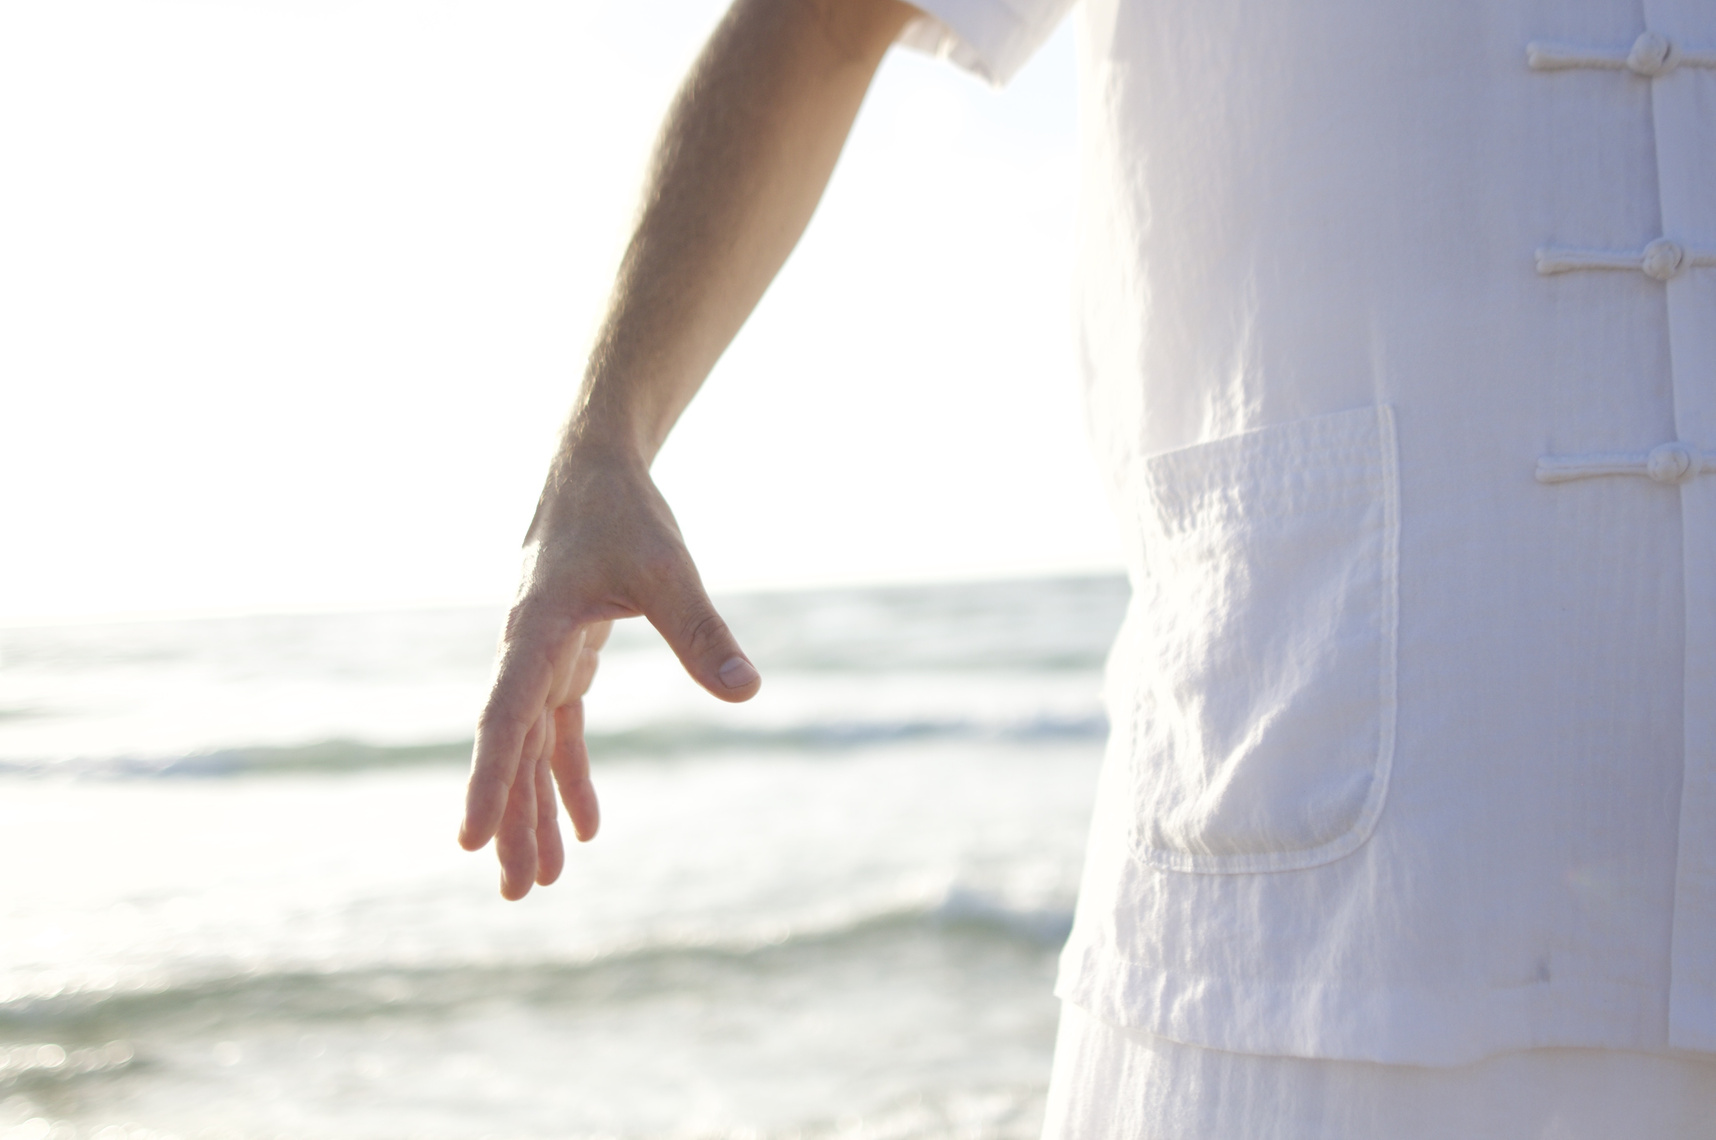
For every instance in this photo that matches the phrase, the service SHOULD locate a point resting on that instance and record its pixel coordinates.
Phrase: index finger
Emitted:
(519, 696)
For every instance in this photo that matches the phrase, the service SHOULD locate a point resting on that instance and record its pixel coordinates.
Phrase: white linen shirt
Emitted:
(1398, 329)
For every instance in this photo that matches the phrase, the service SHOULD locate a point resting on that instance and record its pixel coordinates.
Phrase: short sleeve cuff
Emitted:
(992, 38)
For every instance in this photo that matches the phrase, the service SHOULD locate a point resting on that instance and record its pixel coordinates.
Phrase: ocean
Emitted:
(231, 904)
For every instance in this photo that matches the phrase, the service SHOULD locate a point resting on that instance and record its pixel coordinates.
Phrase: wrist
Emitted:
(623, 415)
(593, 462)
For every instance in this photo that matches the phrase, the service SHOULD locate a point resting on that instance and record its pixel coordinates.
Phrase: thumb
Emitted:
(683, 614)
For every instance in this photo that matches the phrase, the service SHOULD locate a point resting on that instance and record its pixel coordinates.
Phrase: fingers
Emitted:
(685, 617)
(530, 736)
(550, 851)
(511, 793)
(516, 703)
(571, 762)
(572, 674)
(580, 673)
(528, 840)
(515, 837)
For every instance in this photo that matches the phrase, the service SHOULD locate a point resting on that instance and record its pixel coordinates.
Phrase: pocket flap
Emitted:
(1259, 657)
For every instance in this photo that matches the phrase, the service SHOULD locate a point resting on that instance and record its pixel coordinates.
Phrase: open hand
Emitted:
(603, 546)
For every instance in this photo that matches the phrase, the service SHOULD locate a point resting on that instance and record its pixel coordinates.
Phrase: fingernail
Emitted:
(738, 673)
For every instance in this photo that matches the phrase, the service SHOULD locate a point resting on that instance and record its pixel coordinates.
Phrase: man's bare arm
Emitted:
(742, 161)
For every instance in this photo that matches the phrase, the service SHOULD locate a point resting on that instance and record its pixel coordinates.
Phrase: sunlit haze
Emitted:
(293, 297)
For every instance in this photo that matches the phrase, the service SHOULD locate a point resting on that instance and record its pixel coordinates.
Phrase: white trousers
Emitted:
(1123, 1084)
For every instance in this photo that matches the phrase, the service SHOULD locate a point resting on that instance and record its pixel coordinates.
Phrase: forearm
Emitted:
(738, 170)
(744, 156)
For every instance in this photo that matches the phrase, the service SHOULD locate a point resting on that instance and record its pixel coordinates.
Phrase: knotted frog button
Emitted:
(1663, 259)
(1674, 462)
(1652, 55)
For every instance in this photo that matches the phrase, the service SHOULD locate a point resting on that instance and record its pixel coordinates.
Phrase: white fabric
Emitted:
(1413, 754)
(1124, 1084)
(992, 38)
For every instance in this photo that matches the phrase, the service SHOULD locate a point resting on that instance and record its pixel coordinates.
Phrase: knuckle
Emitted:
(532, 620)
(704, 631)
(583, 673)
(503, 717)
(518, 617)
(661, 567)
(535, 629)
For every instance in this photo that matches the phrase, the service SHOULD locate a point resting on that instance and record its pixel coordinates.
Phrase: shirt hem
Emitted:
(1399, 1026)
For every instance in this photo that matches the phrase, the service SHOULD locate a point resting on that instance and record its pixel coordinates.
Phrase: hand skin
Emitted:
(741, 163)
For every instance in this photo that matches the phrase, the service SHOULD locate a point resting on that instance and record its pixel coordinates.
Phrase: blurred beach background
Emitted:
(233, 907)
(293, 297)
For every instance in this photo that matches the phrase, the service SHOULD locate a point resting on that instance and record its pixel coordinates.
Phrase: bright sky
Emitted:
(294, 294)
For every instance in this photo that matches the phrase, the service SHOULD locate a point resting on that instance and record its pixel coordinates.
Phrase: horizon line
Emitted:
(717, 589)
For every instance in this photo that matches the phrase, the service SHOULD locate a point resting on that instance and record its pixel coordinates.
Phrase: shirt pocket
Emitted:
(1253, 684)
